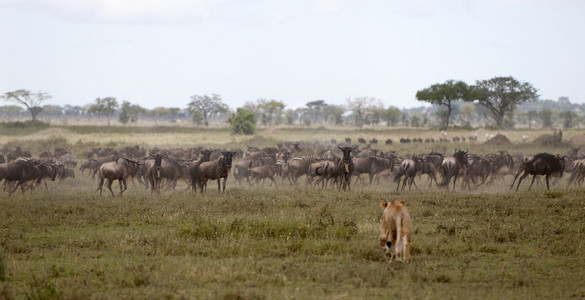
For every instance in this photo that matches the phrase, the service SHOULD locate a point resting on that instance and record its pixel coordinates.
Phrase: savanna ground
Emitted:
(289, 242)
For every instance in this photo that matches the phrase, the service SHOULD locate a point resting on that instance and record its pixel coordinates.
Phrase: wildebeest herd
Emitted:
(339, 166)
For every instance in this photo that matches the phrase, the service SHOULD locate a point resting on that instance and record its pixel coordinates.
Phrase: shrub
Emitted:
(243, 122)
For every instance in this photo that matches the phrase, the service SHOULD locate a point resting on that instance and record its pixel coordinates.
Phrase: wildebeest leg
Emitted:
(224, 181)
(534, 177)
(15, 188)
(547, 177)
(522, 178)
(517, 174)
(431, 180)
(454, 181)
(413, 182)
(272, 178)
(122, 184)
(109, 185)
(250, 183)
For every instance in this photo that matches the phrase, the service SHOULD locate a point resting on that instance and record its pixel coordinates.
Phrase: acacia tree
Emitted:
(316, 108)
(391, 115)
(501, 95)
(32, 101)
(129, 112)
(157, 113)
(445, 94)
(105, 107)
(360, 106)
(334, 114)
(273, 110)
(207, 105)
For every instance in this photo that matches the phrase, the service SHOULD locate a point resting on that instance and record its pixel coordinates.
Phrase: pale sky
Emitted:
(159, 53)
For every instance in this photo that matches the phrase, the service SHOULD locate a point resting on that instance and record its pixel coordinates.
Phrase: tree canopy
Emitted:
(360, 107)
(207, 105)
(501, 95)
(316, 108)
(129, 112)
(445, 94)
(105, 107)
(32, 101)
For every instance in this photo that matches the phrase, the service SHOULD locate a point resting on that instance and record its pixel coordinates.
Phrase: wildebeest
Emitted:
(500, 165)
(408, 168)
(297, 167)
(155, 174)
(395, 230)
(346, 167)
(172, 171)
(315, 169)
(263, 172)
(429, 164)
(91, 165)
(120, 169)
(366, 152)
(255, 159)
(371, 165)
(477, 171)
(194, 172)
(63, 173)
(102, 160)
(453, 167)
(541, 164)
(16, 153)
(216, 170)
(101, 152)
(26, 170)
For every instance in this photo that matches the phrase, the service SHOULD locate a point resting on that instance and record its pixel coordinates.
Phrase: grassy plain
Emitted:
(299, 243)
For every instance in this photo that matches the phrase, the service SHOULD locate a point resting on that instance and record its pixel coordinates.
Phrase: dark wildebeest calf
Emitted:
(345, 167)
(155, 175)
(263, 172)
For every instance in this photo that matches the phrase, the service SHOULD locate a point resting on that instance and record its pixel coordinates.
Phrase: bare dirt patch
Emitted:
(499, 139)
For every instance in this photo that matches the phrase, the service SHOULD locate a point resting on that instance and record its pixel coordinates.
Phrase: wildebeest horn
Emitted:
(466, 150)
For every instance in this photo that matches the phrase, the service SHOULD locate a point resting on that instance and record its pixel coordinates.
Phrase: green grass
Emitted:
(295, 243)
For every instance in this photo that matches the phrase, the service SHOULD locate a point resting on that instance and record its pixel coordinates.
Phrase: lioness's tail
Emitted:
(399, 242)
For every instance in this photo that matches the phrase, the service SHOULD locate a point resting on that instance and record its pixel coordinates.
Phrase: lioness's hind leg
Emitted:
(406, 252)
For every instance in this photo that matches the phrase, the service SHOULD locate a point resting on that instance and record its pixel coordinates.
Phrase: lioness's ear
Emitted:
(402, 202)
(383, 204)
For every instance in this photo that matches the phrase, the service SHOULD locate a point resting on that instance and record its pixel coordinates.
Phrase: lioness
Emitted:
(395, 230)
